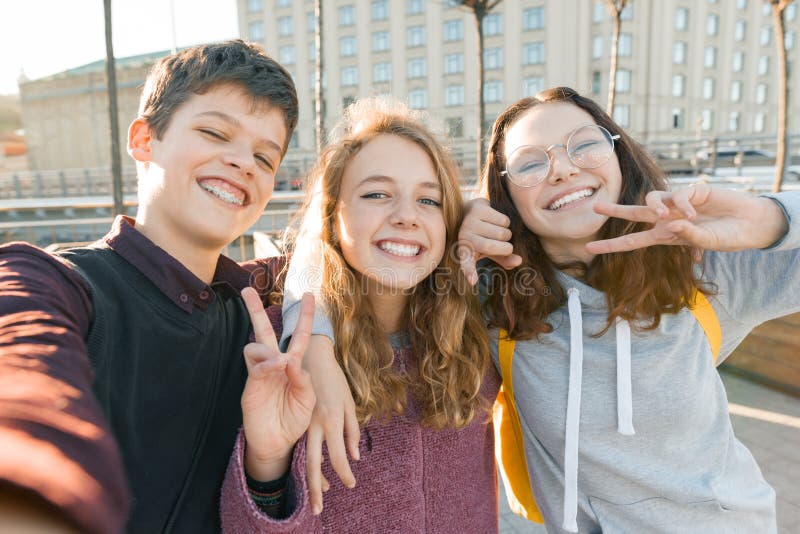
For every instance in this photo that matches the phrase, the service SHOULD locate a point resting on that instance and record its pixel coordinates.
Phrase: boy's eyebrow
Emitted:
(380, 179)
(235, 122)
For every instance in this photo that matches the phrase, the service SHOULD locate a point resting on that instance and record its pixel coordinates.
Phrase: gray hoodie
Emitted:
(640, 418)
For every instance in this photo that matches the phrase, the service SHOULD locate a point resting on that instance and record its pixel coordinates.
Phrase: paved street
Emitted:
(768, 423)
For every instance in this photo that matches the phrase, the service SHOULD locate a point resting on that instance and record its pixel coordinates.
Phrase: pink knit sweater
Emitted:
(409, 479)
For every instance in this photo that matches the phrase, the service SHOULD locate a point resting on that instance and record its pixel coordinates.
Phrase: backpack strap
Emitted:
(509, 443)
(704, 313)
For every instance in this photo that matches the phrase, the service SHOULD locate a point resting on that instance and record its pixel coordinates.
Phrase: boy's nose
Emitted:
(241, 159)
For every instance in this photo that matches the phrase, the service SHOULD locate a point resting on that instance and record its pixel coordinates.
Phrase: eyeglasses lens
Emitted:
(590, 146)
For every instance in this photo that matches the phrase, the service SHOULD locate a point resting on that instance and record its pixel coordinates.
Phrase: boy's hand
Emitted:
(333, 421)
(278, 398)
(484, 233)
(700, 216)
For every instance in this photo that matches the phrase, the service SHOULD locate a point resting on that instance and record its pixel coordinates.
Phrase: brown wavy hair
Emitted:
(639, 285)
(447, 333)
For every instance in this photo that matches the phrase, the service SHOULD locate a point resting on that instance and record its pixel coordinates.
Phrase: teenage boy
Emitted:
(138, 338)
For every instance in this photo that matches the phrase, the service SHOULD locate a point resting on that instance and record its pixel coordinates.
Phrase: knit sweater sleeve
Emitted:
(754, 286)
(55, 440)
(240, 515)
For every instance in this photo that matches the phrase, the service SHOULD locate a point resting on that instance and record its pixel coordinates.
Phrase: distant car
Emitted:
(727, 156)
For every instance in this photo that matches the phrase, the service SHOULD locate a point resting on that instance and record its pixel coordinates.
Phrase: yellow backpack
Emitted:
(508, 441)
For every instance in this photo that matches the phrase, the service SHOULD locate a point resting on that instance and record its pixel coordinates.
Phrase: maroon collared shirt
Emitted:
(54, 439)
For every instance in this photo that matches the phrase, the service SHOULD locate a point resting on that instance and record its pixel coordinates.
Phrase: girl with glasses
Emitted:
(623, 414)
(381, 215)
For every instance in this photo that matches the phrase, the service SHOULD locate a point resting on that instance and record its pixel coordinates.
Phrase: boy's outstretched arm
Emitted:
(54, 439)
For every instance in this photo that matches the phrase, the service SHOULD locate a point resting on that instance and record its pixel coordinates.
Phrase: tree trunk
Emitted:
(319, 103)
(111, 73)
(612, 71)
(780, 152)
(480, 157)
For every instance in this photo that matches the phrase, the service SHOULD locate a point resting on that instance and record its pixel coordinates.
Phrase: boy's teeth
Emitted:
(398, 249)
(224, 191)
(572, 197)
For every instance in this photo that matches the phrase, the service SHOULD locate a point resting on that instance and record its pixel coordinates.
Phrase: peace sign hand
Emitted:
(278, 397)
(699, 216)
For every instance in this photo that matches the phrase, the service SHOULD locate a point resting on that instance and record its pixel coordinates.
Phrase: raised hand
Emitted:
(333, 421)
(484, 233)
(699, 216)
(278, 397)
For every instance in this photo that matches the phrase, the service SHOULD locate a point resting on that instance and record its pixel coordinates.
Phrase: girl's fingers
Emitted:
(352, 431)
(690, 233)
(629, 213)
(262, 328)
(314, 467)
(466, 259)
(655, 201)
(683, 201)
(625, 243)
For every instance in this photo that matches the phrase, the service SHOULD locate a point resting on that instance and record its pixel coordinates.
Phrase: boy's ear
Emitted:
(139, 136)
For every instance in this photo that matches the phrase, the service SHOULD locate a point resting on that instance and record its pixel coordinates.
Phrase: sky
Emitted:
(42, 37)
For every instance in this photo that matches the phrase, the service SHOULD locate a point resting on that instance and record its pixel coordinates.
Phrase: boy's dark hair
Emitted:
(199, 69)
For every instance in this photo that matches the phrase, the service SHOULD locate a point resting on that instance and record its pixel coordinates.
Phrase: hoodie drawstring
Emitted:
(624, 400)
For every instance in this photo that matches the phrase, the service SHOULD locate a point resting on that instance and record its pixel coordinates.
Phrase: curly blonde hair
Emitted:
(447, 333)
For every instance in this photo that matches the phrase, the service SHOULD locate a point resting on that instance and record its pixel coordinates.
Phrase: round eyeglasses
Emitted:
(588, 147)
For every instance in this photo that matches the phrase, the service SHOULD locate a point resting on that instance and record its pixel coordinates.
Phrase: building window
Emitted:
(706, 120)
(712, 24)
(454, 63)
(708, 88)
(311, 22)
(454, 95)
(254, 6)
(623, 81)
(733, 121)
(622, 115)
(627, 12)
(284, 3)
(533, 53)
(380, 41)
(284, 26)
(761, 93)
(596, 79)
(493, 91)
(531, 86)
(416, 67)
(741, 4)
(758, 122)
(455, 127)
(381, 72)
(599, 13)
(677, 118)
(678, 85)
(418, 99)
(255, 30)
(739, 30)
(493, 24)
(763, 65)
(347, 101)
(415, 36)
(453, 30)
(597, 47)
(347, 46)
(349, 76)
(738, 62)
(414, 7)
(766, 9)
(766, 35)
(493, 58)
(533, 19)
(347, 15)
(736, 91)
(379, 10)
(710, 57)
(286, 55)
(312, 51)
(788, 40)
(625, 48)
(682, 19)
(679, 53)
(791, 11)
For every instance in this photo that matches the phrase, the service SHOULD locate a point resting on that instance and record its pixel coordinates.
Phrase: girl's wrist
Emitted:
(774, 223)
(266, 468)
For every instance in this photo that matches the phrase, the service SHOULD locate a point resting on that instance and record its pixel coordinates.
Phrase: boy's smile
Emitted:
(210, 175)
